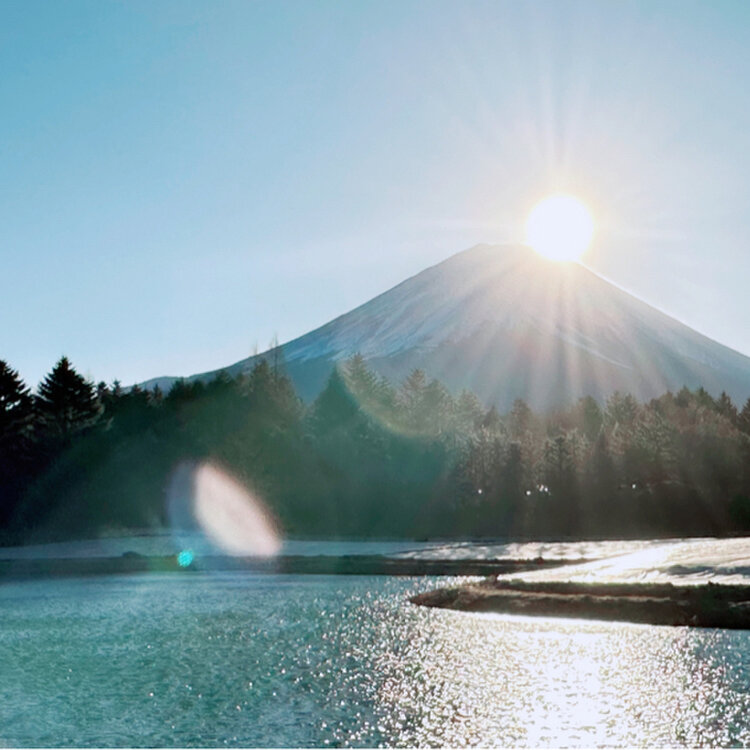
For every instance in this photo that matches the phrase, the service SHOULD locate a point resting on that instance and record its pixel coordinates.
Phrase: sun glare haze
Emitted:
(560, 228)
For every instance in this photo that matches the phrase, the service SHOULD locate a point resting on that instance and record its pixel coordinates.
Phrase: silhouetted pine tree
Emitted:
(591, 418)
(437, 407)
(16, 406)
(560, 513)
(16, 435)
(411, 399)
(183, 392)
(468, 413)
(684, 397)
(726, 408)
(604, 511)
(335, 407)
(66, 402)
(131, 411)
(519, 419)
(509, 488)
(704, 398)
(359, 378)
(743, 420)
(621, 410)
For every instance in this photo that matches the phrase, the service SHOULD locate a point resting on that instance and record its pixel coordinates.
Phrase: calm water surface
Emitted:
(238, 659)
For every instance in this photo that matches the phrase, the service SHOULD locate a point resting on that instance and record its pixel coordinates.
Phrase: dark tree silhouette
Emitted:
(591, 418)
(519, 420)
(16, 406)
(725, 407)
(743, 419)
(16, 439)
(368, 459)
(66, 402)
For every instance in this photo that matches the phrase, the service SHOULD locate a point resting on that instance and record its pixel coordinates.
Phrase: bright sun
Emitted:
(560, 228)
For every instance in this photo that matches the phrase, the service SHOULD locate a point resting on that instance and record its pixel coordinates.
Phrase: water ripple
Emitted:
(240, 660)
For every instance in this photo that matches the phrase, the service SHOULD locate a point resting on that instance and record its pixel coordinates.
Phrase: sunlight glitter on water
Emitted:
(242, 660)
(506, 681)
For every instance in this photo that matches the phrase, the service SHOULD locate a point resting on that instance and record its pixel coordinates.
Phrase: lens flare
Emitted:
(233, 518)
(185, 558)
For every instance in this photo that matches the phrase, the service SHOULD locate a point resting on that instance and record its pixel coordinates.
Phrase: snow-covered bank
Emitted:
(703, 583)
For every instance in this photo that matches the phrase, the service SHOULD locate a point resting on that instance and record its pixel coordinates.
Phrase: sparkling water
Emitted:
(236, 659)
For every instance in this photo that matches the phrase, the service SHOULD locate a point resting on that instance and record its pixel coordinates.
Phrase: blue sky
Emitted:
(182, 181)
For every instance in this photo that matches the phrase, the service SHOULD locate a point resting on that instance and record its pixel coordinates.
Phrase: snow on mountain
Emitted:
(506, 323)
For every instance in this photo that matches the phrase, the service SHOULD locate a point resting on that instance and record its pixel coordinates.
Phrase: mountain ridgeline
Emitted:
(370, 458)
(504, 323)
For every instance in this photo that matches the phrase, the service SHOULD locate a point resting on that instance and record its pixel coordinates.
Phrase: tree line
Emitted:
(370, 458)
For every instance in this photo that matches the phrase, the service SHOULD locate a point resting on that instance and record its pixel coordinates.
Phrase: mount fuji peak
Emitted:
(505, 323)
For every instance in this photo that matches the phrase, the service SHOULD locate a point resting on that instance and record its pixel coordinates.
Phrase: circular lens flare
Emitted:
(185, 558)
(560, 228)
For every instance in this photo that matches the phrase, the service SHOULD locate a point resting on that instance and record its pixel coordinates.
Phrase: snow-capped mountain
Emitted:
(506, 323)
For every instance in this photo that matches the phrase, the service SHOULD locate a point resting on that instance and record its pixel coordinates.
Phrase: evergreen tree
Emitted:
(558, 473)
(102, 391)
(726, 408)
(621, 411)
(66, 402)
(519, 419)
(437, 406)
(468, 412)
(182, 393)
(509, 487)
(591, 417)
(651, 458)
(372, 394)
(131, 412)
(411, 398)
(271, 393)
(16, 448)
(335, 406)
(684, 397)
(386, 402)
(704, 398)
(157, 396)
(109, 397)
(16, 407)
(362, 382)
(602, 474)
(743, 420)
(490, 420)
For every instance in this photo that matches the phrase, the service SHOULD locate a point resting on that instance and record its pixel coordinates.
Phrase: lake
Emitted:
(241, 659)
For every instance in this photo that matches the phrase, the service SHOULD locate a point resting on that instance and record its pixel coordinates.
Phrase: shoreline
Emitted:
(133, 562)
(708, 605)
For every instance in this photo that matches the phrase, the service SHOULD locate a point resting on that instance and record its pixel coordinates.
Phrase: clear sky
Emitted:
(181, 181)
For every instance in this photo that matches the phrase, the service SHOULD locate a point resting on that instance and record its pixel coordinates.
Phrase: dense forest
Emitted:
(368, 458)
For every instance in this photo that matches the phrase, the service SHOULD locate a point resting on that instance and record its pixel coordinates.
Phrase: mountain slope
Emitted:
(505, 323)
